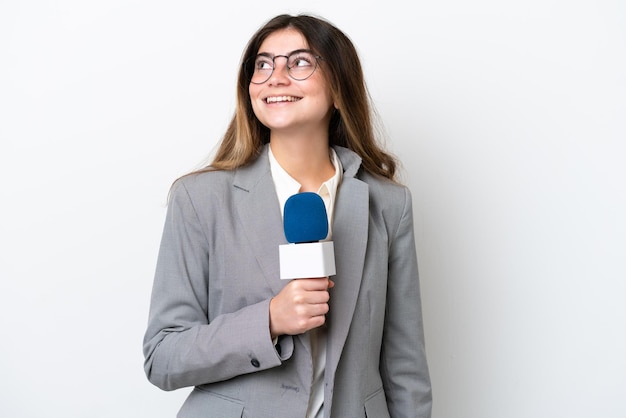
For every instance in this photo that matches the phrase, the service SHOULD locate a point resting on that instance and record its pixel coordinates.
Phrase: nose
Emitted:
(280, 75)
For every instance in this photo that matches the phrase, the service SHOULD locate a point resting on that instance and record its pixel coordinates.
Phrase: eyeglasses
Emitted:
(301, 64)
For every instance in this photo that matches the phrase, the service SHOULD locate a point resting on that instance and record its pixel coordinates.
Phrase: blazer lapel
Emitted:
(259, 213)
(350, 232)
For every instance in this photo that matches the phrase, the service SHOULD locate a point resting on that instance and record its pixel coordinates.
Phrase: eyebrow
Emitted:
(267, 54)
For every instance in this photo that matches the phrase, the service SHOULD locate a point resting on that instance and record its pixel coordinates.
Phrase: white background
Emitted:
(509, 118)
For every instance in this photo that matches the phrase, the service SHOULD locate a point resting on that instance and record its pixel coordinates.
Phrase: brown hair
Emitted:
(351, 125)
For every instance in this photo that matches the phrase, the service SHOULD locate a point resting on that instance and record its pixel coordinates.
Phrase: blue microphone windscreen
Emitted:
(305, 218)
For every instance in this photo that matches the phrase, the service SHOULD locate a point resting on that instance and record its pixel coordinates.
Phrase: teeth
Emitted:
(277, 99)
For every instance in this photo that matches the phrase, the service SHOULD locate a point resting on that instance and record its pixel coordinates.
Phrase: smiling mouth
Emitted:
(281, 99)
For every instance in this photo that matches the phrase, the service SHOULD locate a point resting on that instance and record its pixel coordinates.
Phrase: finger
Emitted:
(317, 283)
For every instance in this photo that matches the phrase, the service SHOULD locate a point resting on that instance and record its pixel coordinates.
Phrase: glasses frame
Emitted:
(251, 60)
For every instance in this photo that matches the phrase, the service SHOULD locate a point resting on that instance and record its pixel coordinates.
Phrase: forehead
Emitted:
(283, 41)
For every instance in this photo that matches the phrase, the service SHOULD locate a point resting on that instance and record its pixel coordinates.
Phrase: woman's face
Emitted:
(284, 104)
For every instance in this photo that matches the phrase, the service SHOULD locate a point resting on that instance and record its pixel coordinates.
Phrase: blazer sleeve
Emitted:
(403, 357)
(181, 347)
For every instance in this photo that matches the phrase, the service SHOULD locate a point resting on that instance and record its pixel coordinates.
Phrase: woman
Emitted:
(222, 320)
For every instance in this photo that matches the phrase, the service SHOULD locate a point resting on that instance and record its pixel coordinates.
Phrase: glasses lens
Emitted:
(262, 69)
(301, 65)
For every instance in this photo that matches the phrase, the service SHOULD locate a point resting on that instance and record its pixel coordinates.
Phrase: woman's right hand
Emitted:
(300, 306)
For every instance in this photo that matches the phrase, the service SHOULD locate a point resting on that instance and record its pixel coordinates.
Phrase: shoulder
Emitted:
(207, 192)
(386, 194)
(378, 185)
(383, 186)
(204, 183)
(219, 185)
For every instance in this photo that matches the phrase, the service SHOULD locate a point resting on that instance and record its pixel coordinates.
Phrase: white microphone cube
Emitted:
(307, 260)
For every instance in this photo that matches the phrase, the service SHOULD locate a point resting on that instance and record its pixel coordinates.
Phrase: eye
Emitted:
(301, 60)
(263, 63)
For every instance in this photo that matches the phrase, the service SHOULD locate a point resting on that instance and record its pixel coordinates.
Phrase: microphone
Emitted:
(306, 223)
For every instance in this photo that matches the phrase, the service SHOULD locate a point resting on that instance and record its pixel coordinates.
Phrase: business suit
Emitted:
(218, 268)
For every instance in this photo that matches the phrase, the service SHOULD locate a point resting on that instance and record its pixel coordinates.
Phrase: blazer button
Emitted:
(255, 362)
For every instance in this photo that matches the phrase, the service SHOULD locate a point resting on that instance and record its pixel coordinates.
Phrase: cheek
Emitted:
(324, 102)
(253, 95)
(326, 97)
(252, 91)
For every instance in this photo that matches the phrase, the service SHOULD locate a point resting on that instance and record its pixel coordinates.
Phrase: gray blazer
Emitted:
(218, 268)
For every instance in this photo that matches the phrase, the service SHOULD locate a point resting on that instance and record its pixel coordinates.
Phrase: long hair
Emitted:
(351, 125)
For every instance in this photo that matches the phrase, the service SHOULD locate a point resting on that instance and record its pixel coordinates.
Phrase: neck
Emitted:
(306, 159)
